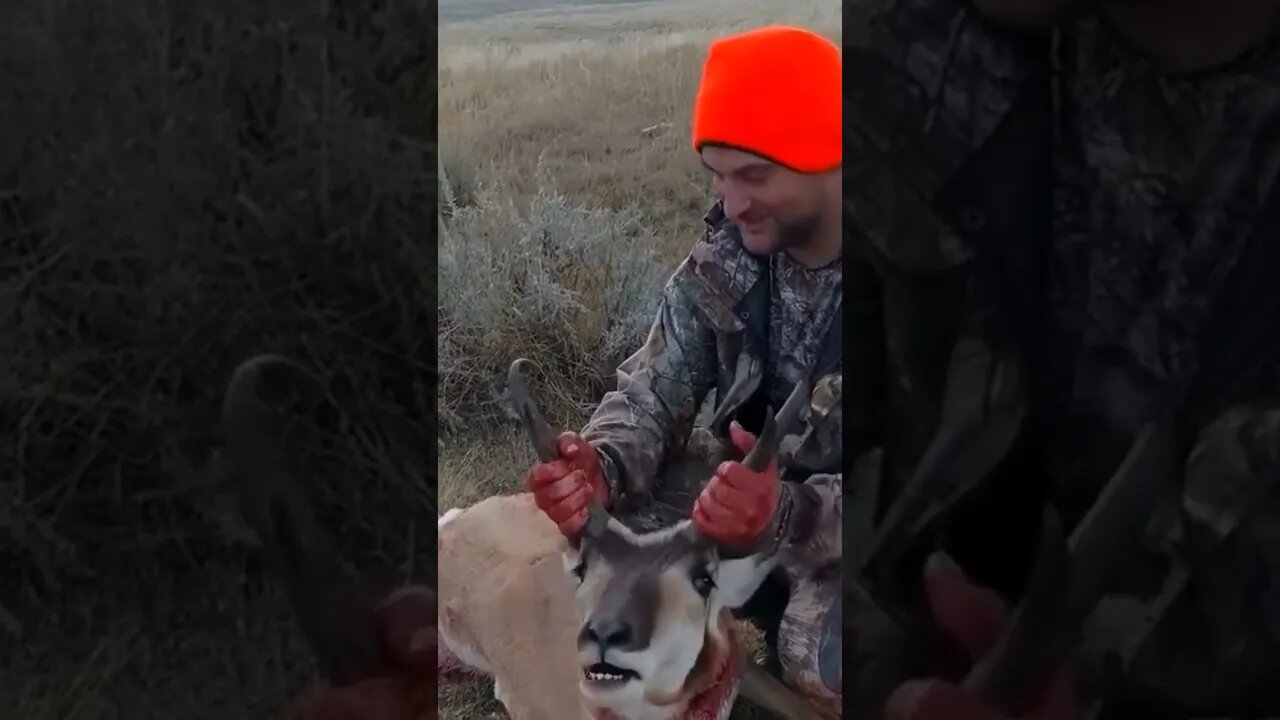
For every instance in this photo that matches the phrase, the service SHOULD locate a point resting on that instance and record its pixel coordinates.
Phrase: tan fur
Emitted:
(593, 585)
(503, 598)
(674, 589)
(507, 606)
(506, 603)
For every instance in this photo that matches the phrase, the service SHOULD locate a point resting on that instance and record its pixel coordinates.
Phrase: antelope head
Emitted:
(654, 605)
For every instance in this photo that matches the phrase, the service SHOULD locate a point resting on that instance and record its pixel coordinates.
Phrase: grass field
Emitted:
(564, 143)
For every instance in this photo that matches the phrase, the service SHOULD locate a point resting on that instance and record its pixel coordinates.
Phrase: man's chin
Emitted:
(759, 243)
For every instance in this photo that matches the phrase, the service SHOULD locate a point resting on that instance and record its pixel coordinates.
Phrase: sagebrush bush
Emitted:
(572, 288)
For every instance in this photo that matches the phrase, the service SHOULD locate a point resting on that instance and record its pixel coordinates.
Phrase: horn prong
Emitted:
(766, 447)
(540, 432)
(777, 426)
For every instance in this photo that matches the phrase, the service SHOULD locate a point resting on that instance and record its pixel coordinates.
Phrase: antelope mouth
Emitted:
(604, 674)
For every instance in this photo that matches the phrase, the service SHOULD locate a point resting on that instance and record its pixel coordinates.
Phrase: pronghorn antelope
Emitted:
(629, 621)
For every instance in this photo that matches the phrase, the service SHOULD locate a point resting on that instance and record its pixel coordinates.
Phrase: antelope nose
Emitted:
(610, 634)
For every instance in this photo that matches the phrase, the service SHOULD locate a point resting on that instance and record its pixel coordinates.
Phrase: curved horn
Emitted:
(329, 603)
(778, 427)
(544, 438)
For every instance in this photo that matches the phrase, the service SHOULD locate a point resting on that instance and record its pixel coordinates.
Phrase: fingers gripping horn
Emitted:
(769, 442)
(544, 438)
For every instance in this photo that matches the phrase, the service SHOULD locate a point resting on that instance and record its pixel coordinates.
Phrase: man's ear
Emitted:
(737, 580)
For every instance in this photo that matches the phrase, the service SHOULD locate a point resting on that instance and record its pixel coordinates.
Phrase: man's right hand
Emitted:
(562, 487)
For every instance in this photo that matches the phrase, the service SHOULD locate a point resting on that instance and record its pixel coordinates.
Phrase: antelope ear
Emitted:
(737, 580)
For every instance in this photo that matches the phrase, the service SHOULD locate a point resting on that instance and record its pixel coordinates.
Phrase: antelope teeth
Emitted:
(607, 673)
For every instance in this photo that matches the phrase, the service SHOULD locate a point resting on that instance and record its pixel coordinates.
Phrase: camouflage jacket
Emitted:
(1060, 233)
(710, 334)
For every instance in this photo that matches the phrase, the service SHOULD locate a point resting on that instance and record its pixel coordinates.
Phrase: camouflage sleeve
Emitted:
(809, 534)
(810, 641)
(660, 389)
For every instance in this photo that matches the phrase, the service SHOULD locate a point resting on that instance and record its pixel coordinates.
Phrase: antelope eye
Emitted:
(702, 581)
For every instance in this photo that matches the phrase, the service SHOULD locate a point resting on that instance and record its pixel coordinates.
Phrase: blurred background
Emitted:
(184, 185)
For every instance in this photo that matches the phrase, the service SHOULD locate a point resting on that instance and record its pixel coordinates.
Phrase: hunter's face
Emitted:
(775, 208)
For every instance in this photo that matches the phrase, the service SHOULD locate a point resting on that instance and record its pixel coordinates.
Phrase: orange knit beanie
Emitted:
(774, 92)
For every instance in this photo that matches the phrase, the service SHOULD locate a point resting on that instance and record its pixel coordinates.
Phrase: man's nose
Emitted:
(736, 204)
(609, 634)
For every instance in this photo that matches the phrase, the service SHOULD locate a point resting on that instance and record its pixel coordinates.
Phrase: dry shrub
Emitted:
(573, 289)
(183, 185)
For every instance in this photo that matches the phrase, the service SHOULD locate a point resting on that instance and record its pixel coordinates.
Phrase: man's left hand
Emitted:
(738, 505)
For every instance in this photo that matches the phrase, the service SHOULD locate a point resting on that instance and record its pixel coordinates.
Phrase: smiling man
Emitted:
(755, 308)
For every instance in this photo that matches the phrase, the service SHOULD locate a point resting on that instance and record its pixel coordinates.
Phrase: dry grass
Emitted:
(558, 127)
(183, 185)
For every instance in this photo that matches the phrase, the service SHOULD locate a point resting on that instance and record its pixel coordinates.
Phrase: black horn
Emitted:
(544, 438)
(777, 427)
(329, 603)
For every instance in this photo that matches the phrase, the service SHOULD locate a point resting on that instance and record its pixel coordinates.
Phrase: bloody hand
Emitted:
(407, 688)
(738, 505)
(562, 487)
(973, 617)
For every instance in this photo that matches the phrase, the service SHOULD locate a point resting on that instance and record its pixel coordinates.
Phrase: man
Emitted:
(1067, 210)
(757, 303)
